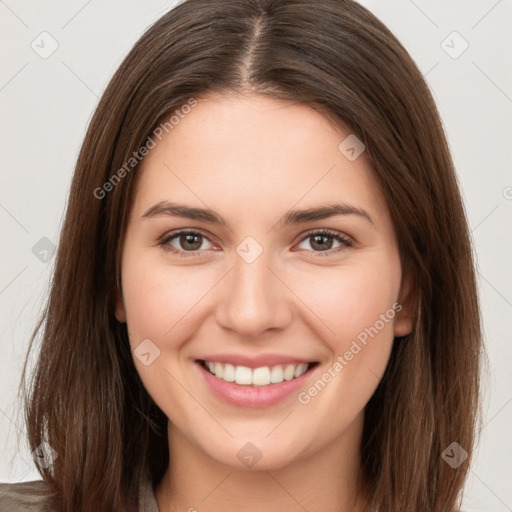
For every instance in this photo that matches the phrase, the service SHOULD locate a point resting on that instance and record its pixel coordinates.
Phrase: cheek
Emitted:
(159, 299)
(160, 302)
(351, 300)
(359, 308)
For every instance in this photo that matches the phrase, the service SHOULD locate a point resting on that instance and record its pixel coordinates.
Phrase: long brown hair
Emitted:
(85, 397)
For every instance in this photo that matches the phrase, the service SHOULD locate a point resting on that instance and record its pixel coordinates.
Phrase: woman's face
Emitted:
(227, 269)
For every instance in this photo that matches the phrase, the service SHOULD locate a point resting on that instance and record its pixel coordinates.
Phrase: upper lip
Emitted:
(254, 361)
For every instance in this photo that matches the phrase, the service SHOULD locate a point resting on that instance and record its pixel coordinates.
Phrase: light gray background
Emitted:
(46, 105)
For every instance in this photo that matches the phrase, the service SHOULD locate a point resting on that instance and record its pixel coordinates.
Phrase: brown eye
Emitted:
(190, 241)
(323, 242)
(185, 243)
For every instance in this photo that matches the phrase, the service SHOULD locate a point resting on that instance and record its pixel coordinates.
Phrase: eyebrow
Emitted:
(292, 217)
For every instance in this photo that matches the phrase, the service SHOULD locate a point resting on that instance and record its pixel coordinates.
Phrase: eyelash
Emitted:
(342, 239)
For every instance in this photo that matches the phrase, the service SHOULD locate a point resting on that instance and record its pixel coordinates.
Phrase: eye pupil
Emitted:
(189, 239)
(321, 246)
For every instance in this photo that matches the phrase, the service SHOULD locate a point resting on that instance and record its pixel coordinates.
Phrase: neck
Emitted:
(328, 481)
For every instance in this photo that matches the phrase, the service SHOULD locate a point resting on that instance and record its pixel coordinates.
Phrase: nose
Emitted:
(254, 299)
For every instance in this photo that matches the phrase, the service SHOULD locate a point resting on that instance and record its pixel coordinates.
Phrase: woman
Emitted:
(316, 346)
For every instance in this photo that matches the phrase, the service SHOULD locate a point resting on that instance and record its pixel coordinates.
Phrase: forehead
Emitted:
(257, 154)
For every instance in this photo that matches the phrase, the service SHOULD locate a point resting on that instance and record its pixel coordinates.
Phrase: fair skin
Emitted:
(252, 159)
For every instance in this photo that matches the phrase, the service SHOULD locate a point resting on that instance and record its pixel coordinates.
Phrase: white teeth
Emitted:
(300, 370)
(229, 373)
(219, 370)
(276, 375)
(289, 372)
(262, 376)
(243, 375)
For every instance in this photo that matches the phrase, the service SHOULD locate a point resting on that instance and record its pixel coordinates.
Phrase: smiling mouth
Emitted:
(262, 376)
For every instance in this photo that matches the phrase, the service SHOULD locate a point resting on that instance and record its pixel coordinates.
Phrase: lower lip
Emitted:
(252, 396)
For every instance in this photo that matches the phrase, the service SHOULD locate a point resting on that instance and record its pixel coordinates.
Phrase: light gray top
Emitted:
(31, 497)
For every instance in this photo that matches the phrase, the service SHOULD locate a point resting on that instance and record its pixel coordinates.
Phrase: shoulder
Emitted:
(26, 497)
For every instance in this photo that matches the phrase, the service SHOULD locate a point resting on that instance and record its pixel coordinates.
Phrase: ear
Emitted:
(408, 301)
(120, 311)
